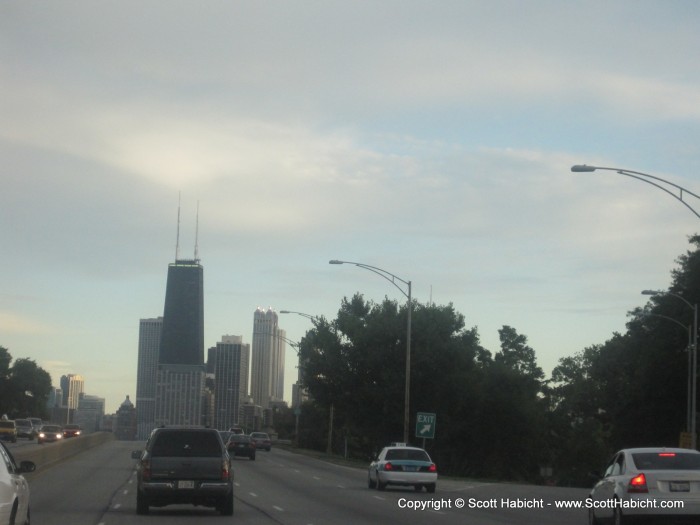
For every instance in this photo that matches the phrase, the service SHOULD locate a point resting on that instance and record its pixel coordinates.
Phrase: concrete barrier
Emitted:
(48, 453)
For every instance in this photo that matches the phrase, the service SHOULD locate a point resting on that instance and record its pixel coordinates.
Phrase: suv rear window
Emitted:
(666, 461)
(186, 443)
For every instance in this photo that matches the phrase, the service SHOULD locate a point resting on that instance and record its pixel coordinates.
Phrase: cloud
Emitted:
(14, 324)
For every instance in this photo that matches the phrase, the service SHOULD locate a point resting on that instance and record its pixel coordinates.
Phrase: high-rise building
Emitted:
(181, 372)
(72, 385)
(269, 344)
(182, 339)
(230, 364)
(146, 375)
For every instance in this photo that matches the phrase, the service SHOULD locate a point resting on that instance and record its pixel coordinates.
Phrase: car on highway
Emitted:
(14, 489)
(184, 465)
(25, 429)
(71, 430)
(404, 465)
(49, 433)
(654, 482)
(261, 440)
(241, 445)
(8, 430)
(36, 422)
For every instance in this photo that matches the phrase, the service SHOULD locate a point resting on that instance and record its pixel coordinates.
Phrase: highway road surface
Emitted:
(97, 487)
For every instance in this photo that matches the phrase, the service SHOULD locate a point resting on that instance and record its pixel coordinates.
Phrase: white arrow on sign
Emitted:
(425, 429)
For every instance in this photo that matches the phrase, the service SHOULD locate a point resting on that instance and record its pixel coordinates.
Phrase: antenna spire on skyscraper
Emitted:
(177, 241)
(196, 236)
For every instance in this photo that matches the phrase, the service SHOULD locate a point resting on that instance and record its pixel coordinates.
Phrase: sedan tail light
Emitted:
(432, 467)
(638, 484)
(388, 466)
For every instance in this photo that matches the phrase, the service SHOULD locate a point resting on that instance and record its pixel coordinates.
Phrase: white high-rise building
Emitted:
(269, 344)
(72, 386)
(149, 344)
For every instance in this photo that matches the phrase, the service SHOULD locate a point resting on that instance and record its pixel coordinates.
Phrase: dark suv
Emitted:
(184, 465)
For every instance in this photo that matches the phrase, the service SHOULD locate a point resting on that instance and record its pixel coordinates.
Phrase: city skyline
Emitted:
(432, 140)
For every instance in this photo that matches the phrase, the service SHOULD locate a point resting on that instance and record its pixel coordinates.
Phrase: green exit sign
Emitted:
(425, 425)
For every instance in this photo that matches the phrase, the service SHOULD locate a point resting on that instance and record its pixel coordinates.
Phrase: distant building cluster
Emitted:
(175, 385)
(70, 404)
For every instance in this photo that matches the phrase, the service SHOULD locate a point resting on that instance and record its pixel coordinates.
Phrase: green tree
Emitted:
(24, 387)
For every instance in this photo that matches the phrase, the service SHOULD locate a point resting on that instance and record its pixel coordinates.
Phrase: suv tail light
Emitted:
(146, 470)
(638, 484)
(225, 471)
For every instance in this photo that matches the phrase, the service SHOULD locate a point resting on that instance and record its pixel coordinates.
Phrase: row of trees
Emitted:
(24, 387)
(498, 415)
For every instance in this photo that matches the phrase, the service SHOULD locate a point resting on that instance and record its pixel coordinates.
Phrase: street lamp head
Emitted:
(578, 168)
(335, 261)
(651, 292)
(285, 312)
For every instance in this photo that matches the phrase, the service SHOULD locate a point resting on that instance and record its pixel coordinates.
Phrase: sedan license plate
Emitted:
(185, 484)
(410, 468)
(679, 486)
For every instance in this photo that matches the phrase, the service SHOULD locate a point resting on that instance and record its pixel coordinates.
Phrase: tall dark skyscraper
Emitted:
(182, 340)
(181, 369)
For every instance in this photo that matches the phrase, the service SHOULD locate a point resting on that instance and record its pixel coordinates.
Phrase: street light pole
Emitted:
(393, 280)
(694, 381)
(664, 186)
(300, 395)
(657, 182)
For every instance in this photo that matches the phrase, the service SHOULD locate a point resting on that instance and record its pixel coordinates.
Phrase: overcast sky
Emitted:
(433, 139)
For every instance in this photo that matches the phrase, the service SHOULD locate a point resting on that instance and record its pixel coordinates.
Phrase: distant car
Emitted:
(241, 445)
(25, 429)
(37, 423)
(647, 483)
(71, 430)
(261, 440)
(14, 489)
(184, 465)
(402, 465)
(49, 433)
(8, 430)
(236, 430)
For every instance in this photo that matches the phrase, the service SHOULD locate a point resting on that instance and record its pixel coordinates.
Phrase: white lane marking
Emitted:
(125, 492)
(317, 478)
(117, 506)
(253, 494)
(380, 498)
(341, 486)
(280, 509)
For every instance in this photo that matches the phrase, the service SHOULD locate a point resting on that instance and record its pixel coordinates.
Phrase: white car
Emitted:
(647, 482)
(402, 465)
(14, 489)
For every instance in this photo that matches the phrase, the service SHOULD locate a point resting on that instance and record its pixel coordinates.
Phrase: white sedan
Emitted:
(14, 489)
(402, 465)
(662, 482)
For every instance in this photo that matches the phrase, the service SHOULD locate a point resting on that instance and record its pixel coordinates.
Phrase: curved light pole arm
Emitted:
(308, 316)
(649, 179)
(382, 273)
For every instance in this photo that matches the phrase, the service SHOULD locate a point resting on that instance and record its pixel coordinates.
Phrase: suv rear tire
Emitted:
(226, 508)
(141, 503)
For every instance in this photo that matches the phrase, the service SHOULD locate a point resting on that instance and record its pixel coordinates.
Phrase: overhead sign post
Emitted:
(425, 425)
